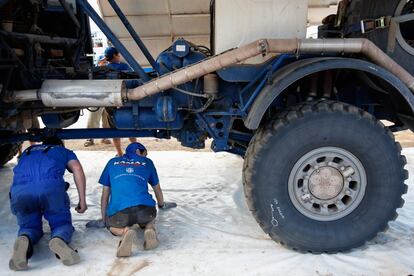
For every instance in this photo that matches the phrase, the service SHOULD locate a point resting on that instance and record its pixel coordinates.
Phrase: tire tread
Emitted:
(282, 120)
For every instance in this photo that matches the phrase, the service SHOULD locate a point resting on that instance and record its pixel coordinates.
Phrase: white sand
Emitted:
(210, 233)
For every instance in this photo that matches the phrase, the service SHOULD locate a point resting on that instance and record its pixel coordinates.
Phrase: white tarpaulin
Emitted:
(211, 232)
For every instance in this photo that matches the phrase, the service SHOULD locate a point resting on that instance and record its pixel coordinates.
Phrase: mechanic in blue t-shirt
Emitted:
(113, 59)
(38, 190)
(126, 204)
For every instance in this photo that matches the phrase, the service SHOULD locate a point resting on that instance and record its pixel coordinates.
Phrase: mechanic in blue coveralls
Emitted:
(125, 184)
(38, 190)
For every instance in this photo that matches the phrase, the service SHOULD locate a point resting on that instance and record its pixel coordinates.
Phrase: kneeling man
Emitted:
(126, 204)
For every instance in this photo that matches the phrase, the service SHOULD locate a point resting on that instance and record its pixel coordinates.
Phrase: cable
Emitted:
(190, 93)
(202, 109)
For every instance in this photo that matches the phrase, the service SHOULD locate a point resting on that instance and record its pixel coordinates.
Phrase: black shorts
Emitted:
(140, 214)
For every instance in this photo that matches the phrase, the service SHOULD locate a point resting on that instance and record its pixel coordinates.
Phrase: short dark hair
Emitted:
(110, 52)
(53, 141)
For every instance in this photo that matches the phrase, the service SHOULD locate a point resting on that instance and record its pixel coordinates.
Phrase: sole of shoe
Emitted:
(19, 259)
(67, 255)
(150, 239)
(125, 246)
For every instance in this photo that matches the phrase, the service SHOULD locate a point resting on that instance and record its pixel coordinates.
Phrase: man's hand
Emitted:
(81, 207)
(80, 181)
(98, 223)
(167, 205)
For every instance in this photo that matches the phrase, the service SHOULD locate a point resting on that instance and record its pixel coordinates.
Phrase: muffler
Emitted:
(77, 93)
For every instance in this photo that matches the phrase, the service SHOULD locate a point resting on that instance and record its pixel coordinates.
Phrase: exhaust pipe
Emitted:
(103, 93)
(77, 93)
(274, 46)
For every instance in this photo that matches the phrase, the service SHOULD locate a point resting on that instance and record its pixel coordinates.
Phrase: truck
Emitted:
(313, 120)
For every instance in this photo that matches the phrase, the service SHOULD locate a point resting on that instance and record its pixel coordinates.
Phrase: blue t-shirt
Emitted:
(39, 163)
(128, 179)
(119, 66)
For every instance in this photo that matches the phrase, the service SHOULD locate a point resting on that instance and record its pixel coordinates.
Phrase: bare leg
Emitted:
(150, 236)
(117, 145)
(20, 151)
(150, 225)
(118, 231)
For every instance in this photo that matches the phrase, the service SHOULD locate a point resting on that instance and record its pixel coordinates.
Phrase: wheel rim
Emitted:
(403, 32)
(327, 184)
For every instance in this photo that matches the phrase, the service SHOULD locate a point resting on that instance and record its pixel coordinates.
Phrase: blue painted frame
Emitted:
(93, 133)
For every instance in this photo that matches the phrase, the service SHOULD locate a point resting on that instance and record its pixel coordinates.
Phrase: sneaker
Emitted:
(64, 252)
(125, 245)
(150, 239)
(20, 254)
(106, 141)
(89, 143)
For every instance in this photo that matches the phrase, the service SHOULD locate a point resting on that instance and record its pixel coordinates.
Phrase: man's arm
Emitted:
(79, 177)
(104, 201)
(158, 194)
(160, 198)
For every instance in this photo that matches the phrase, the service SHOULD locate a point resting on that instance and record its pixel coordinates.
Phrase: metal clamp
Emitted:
(370, 25)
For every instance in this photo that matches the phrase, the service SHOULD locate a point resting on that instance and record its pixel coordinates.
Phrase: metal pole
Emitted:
(134, 35)
(111, 36)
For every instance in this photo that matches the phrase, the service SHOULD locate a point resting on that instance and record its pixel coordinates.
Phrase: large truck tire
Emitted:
(324, 177)
(7, 152)
(402, 49)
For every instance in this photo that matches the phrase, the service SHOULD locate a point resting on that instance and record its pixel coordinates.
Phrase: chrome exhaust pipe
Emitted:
(77, 93)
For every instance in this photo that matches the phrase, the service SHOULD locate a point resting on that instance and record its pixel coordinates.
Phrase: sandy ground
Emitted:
(211, 232)
(406, 138)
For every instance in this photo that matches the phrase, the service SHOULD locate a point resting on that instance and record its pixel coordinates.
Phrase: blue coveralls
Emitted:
(39, 189)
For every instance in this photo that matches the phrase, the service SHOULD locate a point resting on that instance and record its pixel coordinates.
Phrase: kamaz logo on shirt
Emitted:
(130, 170)
(129, 163)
